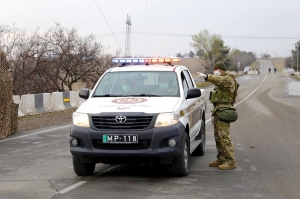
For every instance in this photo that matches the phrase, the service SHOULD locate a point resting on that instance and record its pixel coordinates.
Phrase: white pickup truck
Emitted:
(140, 113)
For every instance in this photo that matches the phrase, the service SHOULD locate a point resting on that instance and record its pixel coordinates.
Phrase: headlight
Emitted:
(167, 119)
(81, 119)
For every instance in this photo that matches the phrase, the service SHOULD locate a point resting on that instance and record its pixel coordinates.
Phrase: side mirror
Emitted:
(84, 93)
(193, 93)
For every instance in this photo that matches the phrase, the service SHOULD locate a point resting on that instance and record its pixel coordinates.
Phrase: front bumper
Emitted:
(153, 144)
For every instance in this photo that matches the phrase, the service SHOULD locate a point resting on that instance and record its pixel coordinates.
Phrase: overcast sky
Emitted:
(251, 22)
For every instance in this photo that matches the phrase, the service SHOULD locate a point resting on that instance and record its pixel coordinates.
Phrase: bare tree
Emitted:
(265, 55)
(288, 62)
(74, 58)
(51, 61)
(242, 57)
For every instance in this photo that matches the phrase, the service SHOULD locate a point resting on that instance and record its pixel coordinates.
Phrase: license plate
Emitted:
(120, 139)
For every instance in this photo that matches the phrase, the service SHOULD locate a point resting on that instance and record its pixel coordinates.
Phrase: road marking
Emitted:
(247, 96)
(290, 79)
(72, 187)
(39, 132)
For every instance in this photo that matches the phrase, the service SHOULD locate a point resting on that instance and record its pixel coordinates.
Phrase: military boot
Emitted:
(215, 163)
(227, 166)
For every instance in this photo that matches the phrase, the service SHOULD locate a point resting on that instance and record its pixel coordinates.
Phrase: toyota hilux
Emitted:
(143, 111)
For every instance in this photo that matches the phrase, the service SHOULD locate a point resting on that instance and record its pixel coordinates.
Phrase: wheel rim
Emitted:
(185, 156)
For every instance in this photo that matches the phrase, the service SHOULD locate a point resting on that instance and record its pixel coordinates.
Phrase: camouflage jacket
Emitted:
(224, 82)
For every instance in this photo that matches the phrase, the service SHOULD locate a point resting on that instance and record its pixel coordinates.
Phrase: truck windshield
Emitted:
(138, 83)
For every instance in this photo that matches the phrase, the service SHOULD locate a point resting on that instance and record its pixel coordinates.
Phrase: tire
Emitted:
(200, 150)
(83, 169)
(180, 165)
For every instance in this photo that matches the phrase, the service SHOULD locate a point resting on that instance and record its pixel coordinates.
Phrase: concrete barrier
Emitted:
(252, 72)
(27, 105)
(73, 101)
(294, 88)
(43, 102)
(63, 100)
(33, 104)
(17, 100)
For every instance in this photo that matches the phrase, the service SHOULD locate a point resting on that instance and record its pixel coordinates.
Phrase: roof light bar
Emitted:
(146, 60)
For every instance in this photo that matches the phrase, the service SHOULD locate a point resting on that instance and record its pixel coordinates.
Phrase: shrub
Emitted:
(233, 68)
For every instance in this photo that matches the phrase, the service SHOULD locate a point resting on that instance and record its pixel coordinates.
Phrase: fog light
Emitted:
(172, 142)
(74, 142)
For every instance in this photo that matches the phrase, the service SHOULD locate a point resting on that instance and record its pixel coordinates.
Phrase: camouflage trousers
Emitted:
(223, 142)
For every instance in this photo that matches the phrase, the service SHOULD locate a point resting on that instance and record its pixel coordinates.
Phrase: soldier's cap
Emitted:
(220, 65)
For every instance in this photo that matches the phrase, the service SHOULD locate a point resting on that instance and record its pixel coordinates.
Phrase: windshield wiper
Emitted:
(149, 95)
(143, 95)
(106, 95)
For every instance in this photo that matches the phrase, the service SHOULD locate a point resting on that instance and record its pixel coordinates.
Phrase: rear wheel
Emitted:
(83, 169)
(180, 165)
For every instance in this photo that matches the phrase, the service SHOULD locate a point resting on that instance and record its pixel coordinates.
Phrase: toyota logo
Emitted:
(120, 119)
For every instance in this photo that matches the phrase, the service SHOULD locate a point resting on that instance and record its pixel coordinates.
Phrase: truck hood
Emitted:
(129, 104)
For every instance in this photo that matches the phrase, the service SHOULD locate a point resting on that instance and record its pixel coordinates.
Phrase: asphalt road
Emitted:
(266, 139)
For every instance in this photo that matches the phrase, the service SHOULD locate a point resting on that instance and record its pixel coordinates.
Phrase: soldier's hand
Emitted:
(202, 75)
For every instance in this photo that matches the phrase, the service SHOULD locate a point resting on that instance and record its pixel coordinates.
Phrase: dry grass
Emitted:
(193, 64)
(255, 65)
(202, 84)
(32, 122)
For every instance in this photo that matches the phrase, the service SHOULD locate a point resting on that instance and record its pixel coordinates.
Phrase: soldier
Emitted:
(224, 95)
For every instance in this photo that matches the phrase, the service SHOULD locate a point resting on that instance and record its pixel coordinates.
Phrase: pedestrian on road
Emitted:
(274, 70)
(224, 95)
(269, 70)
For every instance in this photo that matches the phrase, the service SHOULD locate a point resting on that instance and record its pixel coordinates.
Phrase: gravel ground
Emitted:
(33, 122)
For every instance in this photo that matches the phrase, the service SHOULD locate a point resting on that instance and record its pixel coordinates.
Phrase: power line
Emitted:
(189, 35)
(109, 27)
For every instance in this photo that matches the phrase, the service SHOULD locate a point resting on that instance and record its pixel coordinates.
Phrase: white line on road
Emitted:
(39, 132)
(72, 187)
(290, 79)
(245, 97)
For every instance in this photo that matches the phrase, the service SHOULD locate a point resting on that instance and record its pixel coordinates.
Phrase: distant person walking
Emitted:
(274, 70)
(269, 70)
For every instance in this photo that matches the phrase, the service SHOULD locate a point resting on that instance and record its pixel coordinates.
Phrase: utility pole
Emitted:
(292, 66)
(128, 36)
(297, 59)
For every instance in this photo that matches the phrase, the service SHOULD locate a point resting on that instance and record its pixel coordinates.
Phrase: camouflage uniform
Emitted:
(224, 82)
(8, 109)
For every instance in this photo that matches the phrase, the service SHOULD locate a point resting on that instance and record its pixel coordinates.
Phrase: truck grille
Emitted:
(143, 144)
(140, 122)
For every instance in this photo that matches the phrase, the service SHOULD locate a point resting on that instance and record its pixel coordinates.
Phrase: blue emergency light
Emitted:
(146, 60)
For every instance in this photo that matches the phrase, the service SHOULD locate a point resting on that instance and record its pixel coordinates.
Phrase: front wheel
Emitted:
(83, 169)
(180, 165)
